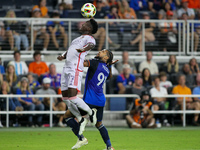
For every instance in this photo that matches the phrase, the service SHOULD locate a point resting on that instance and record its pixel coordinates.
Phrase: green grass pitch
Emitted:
(121, 138)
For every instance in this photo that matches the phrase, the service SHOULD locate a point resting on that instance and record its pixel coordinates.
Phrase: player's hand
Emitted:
(113, 62)
(80, 50)
(60, 58)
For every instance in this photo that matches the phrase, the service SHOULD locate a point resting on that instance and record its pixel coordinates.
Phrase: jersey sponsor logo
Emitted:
(106, 69)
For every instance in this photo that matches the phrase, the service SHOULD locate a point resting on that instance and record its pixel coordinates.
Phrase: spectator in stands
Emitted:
(174, 4)
(125, 60)
(112, 15)
(159, 102)
(28, 103)
(1, 79)
(113, 3)
(101, 33)
(33, 84)
(148, 63)
(196, 90)
(196, 35)
(155, 5)
(2, 70)
(20, 66)
(194, 5)
(57, 30)
(124, 80)
(141, 116)
(68, 3)
(182, 89)
(125, 12)
(148, 32)
(146, 77)
(194, 67)
(168, 31)
(42, 7)
(54, 76)
(11, 76)
(14, 104)
(38, 67)
(138, 5)
(57, 106)
(172, 65)
(188, 74)
(162, 14)
(39, 28)
(185, 9)
(18, 30)
(9, 34)
(163, 80)
(197, 30)
(62, 10)
(2, 33)
(138, 86)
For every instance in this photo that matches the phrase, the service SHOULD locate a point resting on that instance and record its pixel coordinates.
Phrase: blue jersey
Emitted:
(96, 76)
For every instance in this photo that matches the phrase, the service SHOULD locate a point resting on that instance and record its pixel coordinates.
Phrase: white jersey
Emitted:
(74, 60)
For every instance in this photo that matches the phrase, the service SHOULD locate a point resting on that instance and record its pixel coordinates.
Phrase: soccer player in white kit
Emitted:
(71, 78)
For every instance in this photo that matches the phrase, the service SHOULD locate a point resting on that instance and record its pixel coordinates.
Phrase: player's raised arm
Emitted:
(87, 47)
(110, 68)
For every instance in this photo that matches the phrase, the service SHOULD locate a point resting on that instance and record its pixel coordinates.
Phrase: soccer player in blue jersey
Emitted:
(98, 72)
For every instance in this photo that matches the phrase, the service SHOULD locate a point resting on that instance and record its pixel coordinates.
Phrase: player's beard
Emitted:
(97, 57)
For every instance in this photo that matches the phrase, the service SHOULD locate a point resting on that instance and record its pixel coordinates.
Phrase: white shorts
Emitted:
(71, 78)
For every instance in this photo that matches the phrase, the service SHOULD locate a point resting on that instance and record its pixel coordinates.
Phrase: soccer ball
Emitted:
(88, 10)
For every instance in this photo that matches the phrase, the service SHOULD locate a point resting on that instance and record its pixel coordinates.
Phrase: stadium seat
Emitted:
(74, 14)
(2, 13)
(6, 2)
(21, 3)
(117, 103)
(77, 4)
(111, 87)
(22, 13)
(174, 78)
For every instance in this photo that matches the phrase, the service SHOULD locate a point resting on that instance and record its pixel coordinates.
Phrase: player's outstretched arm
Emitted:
(63, 56)
(109, 67)
(87, 47)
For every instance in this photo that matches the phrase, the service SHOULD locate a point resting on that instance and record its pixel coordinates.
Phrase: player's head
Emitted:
(145, 95)
(105, 56)
(90, 26)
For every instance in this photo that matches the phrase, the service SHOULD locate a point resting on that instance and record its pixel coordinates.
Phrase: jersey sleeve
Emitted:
(90, 39)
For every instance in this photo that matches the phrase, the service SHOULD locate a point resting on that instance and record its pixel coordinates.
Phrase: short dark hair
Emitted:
(162, 74)
(94, 26)
(110, 55)
(55, 14)
(156, 78)
(15, 52)
(36, 53)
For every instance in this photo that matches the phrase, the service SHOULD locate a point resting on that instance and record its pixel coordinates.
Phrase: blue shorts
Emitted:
(99, 112)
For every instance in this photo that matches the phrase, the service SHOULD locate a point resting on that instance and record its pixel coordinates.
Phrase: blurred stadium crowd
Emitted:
(162, 36)
(27, 77)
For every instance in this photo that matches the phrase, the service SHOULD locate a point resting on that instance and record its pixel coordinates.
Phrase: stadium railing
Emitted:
(121, 34)
(51, 112)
